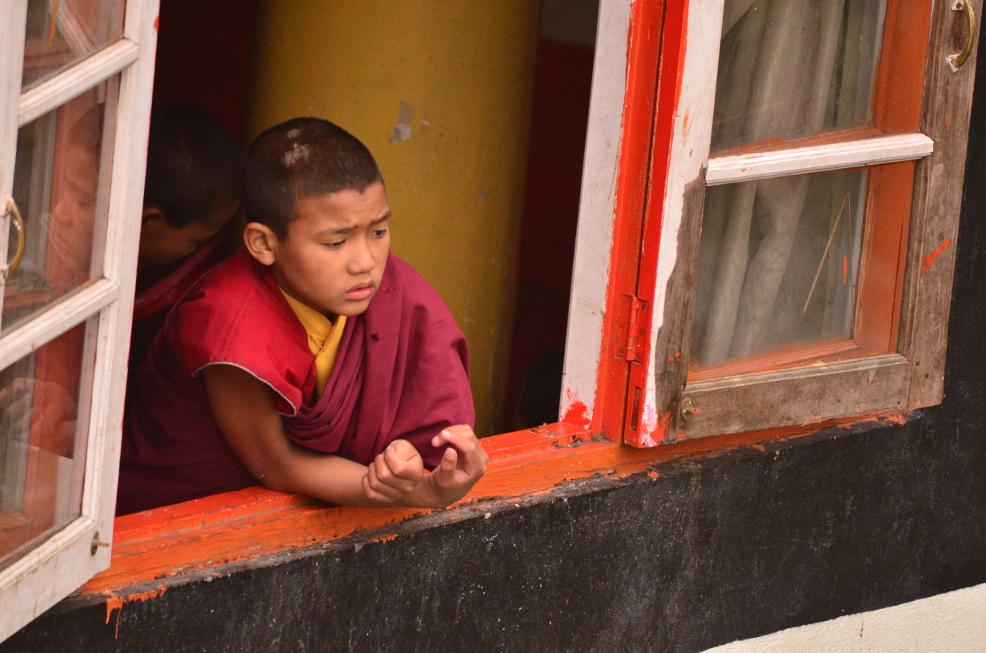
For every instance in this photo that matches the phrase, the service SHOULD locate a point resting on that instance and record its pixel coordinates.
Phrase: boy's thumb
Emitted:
(449, 460)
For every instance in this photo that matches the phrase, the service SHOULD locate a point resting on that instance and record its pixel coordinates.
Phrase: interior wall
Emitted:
(203, 56)
(440, 92)
(563, 80)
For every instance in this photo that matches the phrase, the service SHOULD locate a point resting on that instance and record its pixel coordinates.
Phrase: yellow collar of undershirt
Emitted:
(324, 336)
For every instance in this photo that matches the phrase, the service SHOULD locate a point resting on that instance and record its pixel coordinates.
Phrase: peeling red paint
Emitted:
(577, 414)
(387, 537)
(931, 257)
(157, 22)
(845, 270)
(115, 604)
(653, 429)
(652, 474)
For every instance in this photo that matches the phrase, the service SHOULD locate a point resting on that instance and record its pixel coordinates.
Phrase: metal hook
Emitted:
(18, 221)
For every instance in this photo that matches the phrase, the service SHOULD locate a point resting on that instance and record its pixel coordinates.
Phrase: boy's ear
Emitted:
(261, 242)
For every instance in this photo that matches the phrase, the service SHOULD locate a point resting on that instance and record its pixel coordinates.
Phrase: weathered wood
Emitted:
(935, 209)
(912, 380)
(681, 138)
(795, 396)
(673, 341)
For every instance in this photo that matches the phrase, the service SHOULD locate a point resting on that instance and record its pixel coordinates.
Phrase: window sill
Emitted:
(167, 546)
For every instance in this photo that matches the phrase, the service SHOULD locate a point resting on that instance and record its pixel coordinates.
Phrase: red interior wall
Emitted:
(203, 56)
(554, 178)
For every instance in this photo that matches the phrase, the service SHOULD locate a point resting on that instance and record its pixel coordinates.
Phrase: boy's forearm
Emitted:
(322, 476)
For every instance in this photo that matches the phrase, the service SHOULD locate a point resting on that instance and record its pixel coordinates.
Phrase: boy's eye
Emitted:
(335, 244)
(380, 233)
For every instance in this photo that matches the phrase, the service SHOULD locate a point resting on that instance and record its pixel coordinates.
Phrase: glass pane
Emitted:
(43, 429)
(57, 178)
(778, 264)
(793, 68)
(63, 32)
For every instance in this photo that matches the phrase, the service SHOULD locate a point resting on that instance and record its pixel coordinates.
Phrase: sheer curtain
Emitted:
(787, 69)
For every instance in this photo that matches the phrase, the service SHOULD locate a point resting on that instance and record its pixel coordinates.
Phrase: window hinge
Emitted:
(631, 328)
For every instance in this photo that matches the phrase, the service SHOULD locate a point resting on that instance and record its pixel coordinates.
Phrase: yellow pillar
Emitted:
(440, 91)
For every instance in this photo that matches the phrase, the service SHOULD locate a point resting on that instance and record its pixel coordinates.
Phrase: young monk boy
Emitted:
(191, 194)
(313, 361)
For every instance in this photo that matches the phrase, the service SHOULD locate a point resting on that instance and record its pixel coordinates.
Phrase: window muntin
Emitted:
(778, 264)
(43, 435)
(757, 276)
(790, 70)
(57, 182)
(60, 33)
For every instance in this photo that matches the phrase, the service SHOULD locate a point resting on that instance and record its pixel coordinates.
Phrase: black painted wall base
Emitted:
(711, 551)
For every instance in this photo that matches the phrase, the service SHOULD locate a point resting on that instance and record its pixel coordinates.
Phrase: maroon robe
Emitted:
(400, 372)
(159, 289)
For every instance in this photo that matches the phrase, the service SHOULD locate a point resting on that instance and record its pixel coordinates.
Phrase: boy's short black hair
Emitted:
(302, 157)
(192, 163)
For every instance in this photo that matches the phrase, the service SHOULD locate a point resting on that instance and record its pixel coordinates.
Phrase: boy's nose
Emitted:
(361, 261)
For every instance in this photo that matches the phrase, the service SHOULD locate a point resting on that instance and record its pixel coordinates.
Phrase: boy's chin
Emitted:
(351, 309)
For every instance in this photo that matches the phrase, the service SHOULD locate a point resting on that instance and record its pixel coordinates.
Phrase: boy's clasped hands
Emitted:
(397, 476)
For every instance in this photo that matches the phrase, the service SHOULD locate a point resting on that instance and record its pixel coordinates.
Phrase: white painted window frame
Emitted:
(71, 556)
(597, 205)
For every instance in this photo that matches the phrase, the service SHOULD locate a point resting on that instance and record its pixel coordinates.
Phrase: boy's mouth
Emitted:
(361, 291)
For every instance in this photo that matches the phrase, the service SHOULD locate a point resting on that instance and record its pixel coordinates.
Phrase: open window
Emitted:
(840, 222)
(795, 267)
(73, 126)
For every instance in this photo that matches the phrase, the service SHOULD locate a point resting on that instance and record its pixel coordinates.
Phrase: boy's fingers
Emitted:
(449, 432)
(447, 466)
(381, 469)
(385, 474)
(404, 449)
(408, 469)
(464, 443)
(372, 494)
(379, 486)
(471, 449)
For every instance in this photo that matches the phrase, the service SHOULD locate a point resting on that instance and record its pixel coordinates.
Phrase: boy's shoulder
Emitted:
(235, 314)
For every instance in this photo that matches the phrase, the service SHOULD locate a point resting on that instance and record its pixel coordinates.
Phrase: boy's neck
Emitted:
(331, 317)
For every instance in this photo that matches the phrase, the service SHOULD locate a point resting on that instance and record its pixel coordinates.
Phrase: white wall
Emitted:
(946, 623)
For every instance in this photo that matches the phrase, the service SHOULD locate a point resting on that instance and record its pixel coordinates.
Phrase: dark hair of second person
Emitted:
(193, 183)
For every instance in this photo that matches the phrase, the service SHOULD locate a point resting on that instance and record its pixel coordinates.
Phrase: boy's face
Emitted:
(162, 243)
(335, 251)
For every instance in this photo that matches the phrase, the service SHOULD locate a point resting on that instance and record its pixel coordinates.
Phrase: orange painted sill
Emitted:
(160, 547)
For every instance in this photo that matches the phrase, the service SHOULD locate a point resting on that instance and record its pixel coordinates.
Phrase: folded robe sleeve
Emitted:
(249, 327)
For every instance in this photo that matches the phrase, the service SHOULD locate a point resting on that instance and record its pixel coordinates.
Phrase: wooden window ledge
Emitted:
(170, 545)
